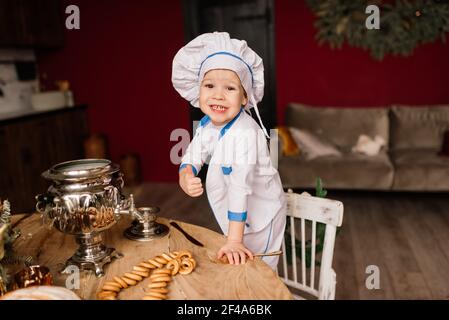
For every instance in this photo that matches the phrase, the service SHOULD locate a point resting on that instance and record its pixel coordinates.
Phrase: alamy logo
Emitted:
(241, 147)
(373, 20)
(73, 280)
(373, 280)
(73, 20)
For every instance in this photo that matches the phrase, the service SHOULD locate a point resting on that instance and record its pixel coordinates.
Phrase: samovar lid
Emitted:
(79, 169)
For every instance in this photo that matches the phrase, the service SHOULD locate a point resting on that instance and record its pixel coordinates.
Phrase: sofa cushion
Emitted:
(418, 127)
(351, 171)
(340, 126)
(311, 145)
(288, 145)
(420, 169)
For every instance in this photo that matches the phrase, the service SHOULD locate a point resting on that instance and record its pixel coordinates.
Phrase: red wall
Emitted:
(119, 63)
(317, 75)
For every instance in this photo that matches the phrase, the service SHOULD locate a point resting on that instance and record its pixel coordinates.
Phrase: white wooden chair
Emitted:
(301, 208)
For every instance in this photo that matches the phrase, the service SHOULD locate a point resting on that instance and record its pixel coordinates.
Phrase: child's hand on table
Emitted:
(235, 252)
(189, 183)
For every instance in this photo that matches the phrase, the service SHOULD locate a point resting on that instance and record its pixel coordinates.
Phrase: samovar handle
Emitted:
(42, 200)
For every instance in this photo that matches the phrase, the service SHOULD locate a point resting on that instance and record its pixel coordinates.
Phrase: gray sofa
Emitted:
(409, 162)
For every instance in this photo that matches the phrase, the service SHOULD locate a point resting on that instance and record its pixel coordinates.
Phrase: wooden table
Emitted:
(210, 280)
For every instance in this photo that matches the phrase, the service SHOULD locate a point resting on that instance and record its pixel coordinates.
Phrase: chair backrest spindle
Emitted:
(312, 263)
(303, 252)
(284, 261)
(293, 244)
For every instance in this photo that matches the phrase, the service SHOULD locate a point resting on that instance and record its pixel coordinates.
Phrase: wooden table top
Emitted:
(210, 280)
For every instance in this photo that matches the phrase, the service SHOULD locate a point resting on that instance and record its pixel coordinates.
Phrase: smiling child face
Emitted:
(221, 95)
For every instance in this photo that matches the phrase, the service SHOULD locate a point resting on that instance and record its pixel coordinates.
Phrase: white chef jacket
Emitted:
(241, 183)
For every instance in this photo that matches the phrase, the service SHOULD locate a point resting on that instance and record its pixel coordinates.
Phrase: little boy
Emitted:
(224, 78)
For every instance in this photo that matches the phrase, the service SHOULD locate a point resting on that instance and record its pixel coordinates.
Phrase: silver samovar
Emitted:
(86, 199)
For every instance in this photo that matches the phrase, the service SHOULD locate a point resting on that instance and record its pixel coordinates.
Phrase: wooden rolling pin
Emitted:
(224, 259)
(274, 253)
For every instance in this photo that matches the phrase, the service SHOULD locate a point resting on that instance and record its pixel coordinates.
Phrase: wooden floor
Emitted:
(406, 235)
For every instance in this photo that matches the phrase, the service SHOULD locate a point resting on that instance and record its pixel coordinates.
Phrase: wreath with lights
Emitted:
(403, 25)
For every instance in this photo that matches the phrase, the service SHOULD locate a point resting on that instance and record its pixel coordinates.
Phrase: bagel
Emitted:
(140, 268)
(183, 254)
(161, 278)
(140, 273)
(121, 282)
(113, 283)
(173, 265)
(193, 262)
(166, 257)
(157, 285)
(157, 295)
(110, 288)
(155, 263)
(161, 260)
(161, 271)
(129, 282)
(160, 290)
(147, 265)
(162, 267)
(104, 294)
(150, 298)
(186, 267)
(133, 276)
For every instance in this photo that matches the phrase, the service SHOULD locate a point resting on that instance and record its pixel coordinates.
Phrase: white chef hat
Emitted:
(218, 51)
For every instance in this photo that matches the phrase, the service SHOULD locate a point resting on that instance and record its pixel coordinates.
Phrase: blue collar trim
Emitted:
(231, 55)
(204, 120)
(229, 124)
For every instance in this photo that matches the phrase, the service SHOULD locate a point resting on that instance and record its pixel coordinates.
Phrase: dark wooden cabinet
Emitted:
(31, 145)
(31, 23)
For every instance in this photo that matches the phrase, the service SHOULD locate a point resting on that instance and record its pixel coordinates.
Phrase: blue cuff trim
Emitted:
(182, 166)
(237, 216)
(226, 170)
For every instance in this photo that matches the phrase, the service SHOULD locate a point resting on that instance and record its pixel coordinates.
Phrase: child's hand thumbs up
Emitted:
(189, 183)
